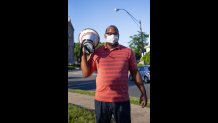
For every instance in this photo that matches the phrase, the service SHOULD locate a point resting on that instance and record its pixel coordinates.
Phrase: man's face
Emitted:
(111, 31)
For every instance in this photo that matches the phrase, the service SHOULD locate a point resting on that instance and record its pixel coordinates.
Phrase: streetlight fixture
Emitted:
(138, 22)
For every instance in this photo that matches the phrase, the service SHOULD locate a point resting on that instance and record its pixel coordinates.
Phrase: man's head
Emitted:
(112, 35)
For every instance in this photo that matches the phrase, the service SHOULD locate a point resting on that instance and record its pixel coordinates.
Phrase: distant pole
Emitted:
(137, 22)
(142, 50)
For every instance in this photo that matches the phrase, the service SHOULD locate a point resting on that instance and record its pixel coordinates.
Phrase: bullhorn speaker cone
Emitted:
(89, 39)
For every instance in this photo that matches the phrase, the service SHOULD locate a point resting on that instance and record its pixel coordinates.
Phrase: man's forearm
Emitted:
(84, 66)
(138, 81)
(141, 87)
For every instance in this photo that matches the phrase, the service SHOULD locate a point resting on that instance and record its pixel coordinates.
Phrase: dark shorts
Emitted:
(120, 111)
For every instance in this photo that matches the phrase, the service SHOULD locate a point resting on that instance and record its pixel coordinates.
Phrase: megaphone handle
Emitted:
(86, 50)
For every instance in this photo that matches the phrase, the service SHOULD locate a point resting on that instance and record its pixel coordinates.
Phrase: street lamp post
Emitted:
(136, 21)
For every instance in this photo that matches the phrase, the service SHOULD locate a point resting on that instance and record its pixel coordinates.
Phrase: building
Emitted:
(70, 42)
(147, 47)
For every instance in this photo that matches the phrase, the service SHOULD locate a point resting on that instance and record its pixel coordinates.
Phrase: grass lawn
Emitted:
(133, 100)
(78, 114)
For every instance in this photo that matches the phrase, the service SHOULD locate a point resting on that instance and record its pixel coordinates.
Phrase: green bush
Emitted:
(73, 66)
(140, 65)
(146, 58)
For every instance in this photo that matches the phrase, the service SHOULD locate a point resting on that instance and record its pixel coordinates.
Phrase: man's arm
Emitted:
(138, 81)
(84, 65)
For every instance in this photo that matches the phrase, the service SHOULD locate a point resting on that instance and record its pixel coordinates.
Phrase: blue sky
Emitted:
(98, 14)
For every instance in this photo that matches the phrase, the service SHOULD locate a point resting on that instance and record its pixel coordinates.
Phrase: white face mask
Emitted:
(112, 39)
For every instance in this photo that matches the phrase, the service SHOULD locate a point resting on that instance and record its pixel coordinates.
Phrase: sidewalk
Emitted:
(138, 114)
(76, 72)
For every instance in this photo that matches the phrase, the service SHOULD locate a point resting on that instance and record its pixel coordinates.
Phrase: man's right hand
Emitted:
(83, 51)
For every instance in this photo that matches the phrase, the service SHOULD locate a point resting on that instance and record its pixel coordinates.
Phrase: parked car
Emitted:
(145, 73)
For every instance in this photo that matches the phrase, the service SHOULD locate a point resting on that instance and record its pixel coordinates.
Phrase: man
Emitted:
(112, 62)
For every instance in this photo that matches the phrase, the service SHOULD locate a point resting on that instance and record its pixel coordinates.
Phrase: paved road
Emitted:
(77, 81)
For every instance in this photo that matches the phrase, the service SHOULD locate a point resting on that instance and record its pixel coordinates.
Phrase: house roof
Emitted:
(69, 22)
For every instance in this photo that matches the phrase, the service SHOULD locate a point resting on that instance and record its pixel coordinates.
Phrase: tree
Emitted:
(99, 45)
(146, 58)
(77, 52)
(137, 45)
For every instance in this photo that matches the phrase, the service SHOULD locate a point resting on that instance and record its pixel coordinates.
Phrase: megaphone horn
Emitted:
(89, 39)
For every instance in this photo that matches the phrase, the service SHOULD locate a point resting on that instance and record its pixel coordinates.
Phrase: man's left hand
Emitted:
(143, 100)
